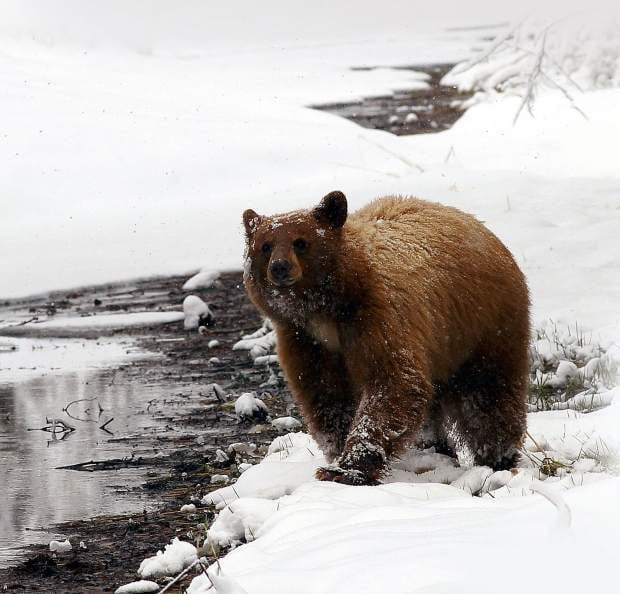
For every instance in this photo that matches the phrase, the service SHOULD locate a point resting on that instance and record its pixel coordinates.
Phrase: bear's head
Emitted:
(291, 258)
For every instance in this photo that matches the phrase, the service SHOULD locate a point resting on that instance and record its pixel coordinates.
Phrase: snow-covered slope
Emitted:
(121, 163)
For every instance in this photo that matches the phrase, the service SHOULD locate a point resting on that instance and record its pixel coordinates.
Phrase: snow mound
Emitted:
(175, 557)
(103, 321)
(286, 424)
(196, 311)
(202, 280)
(60, 546)
(291, 461)
(240, 520)
(139, 587)
(260, 344)
(436, 531)
(248, 406)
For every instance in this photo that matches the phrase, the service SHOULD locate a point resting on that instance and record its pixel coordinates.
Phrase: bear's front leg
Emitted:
(389, 415)
(320, 386)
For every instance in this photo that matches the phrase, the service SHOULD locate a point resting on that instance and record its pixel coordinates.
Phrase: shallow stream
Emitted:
(39, 378)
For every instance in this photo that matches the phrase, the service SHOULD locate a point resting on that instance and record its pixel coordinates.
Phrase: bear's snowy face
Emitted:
(289, 257)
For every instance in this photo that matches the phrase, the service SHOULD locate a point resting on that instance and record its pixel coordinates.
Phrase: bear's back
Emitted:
(439, 269)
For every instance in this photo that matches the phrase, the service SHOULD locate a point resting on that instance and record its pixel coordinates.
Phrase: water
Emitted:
(37, 381)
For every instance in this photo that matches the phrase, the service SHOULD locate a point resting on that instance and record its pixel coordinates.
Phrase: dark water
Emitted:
(37, 381)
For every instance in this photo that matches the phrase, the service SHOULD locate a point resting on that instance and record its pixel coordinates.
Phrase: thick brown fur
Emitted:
(401, 319)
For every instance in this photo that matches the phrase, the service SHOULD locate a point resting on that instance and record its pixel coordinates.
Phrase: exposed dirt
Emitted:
(405, 112)
(197, 423)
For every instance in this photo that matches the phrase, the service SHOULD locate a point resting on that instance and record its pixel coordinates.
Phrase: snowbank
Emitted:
(98, 322)
(402, 538)
(327, 537)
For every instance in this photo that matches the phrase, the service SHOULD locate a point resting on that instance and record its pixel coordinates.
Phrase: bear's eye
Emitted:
(300, 244)
(266, 248)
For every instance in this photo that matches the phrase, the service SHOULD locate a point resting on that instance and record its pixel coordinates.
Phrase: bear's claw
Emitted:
(344, 476)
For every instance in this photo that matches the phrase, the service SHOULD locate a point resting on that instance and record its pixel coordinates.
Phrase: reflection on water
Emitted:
(33, 493)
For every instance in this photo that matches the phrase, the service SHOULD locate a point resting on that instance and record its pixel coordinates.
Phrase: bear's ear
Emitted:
(332, 210)
(251, 220)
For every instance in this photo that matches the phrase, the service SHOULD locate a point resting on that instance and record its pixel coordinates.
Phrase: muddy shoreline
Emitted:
(176, 463)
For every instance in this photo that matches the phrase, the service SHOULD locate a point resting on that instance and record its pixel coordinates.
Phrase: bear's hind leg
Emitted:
(434, 433)
(489, 405)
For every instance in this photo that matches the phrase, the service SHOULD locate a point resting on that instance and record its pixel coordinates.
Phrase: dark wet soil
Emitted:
(405, 112)
(197, 423)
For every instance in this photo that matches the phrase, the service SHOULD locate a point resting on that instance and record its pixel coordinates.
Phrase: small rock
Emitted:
(213, 343)
(217, 391)
(240, 447)
(221, 457)
(286, 424)
(219, 479)
(188, 508)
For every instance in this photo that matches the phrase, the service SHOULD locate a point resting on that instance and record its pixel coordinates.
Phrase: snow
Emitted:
(60, 546)
(103, 321)
(205, 279)
(437, 531)
(259, 344)
(175, 557)
(248, 406)
(195, 310)
(291, 461)
(286, 424)
(133, 150)
(402, 538)
(219, 479)
(223, 585)
(138, 587)
(239, 520)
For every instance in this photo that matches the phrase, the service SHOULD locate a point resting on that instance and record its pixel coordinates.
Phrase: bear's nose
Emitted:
(280, 270)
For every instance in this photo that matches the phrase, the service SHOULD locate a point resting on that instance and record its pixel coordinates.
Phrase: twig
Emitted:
(94, 398)
(105, 425)
(528, 98)
(489, 52)
(182, 575)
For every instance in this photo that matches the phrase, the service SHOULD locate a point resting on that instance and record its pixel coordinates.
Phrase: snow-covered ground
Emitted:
(127, 155)
(124, 156)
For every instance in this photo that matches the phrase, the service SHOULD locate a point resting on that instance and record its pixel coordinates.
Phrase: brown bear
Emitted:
(404, 321)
